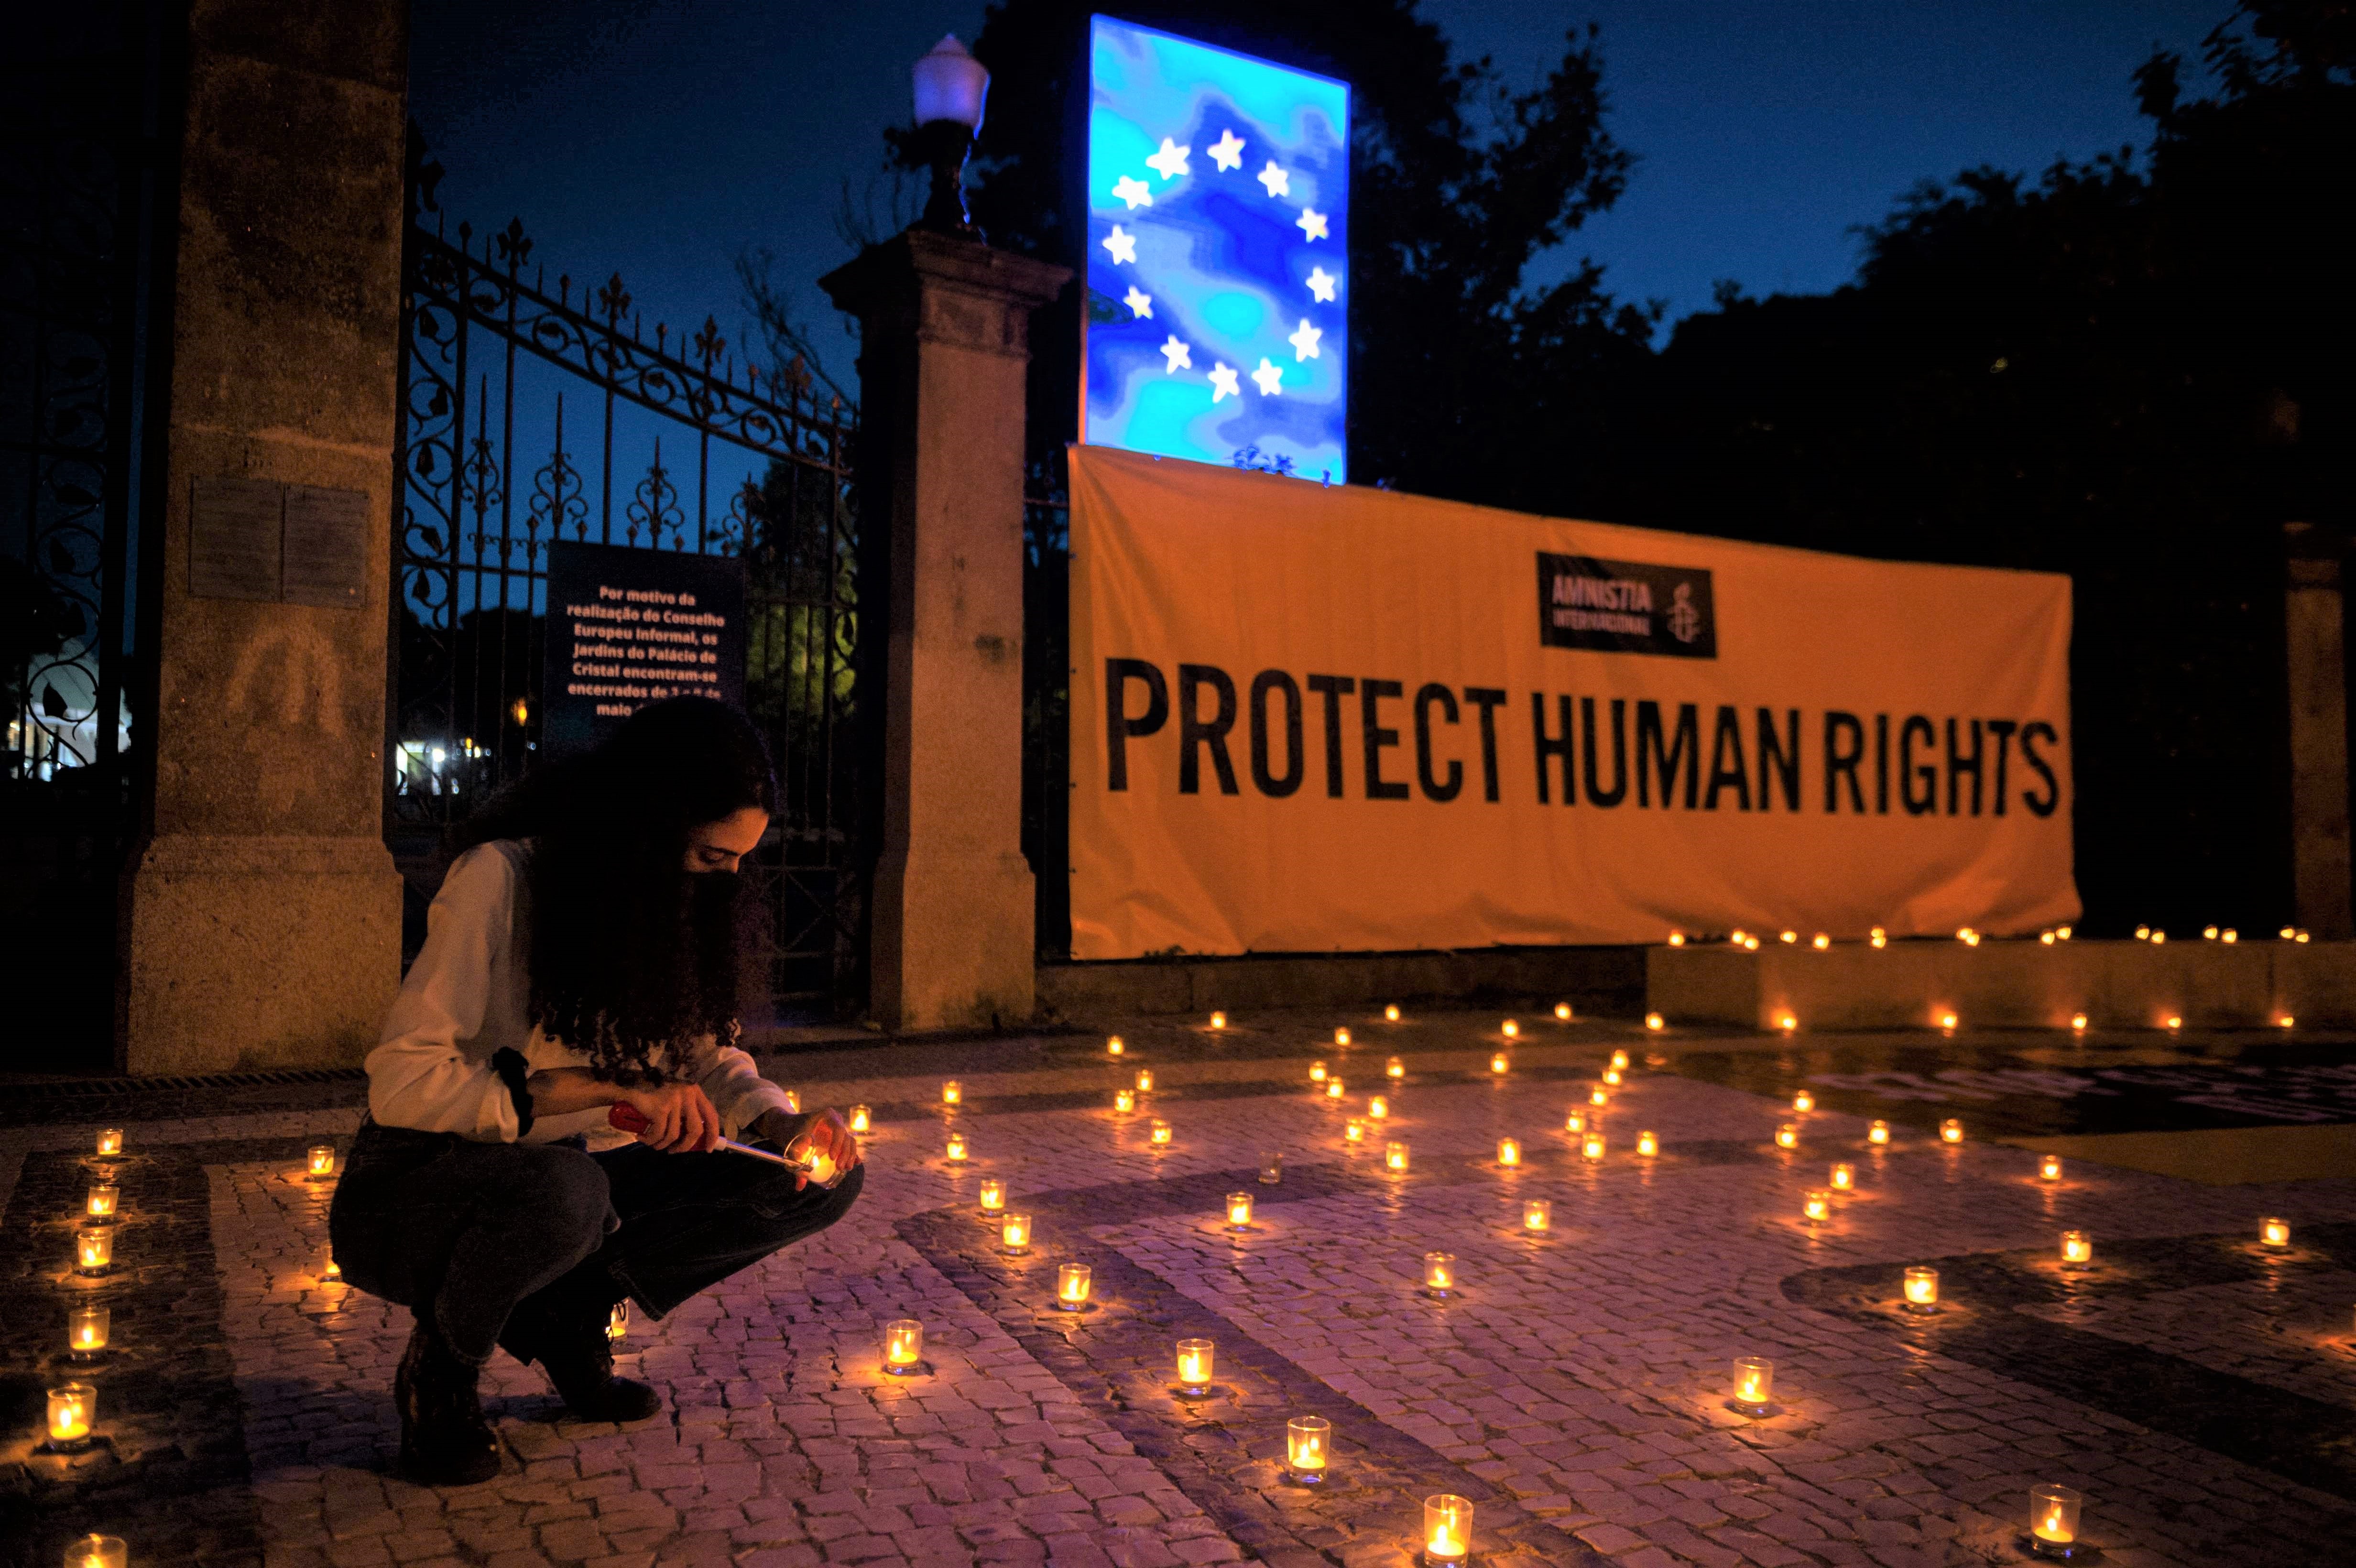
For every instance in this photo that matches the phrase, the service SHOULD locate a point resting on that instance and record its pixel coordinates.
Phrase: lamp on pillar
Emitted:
(952, 86)
(944, 342)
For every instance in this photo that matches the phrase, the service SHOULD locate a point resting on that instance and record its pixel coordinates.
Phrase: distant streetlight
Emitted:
(951, 87)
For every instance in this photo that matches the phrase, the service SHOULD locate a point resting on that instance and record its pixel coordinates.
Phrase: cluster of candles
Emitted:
(72, 1413)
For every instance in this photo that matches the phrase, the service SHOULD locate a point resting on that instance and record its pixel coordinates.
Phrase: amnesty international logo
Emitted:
(1625, 607)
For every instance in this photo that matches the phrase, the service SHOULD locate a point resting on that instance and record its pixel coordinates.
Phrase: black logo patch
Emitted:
(1625, 607)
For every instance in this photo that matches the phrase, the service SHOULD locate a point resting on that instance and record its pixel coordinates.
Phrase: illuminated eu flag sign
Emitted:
(1218, 257)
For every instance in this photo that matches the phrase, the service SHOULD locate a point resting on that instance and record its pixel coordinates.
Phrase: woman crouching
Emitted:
(580, 956)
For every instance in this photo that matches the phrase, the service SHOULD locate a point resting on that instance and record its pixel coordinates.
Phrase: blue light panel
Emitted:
(1218, 255)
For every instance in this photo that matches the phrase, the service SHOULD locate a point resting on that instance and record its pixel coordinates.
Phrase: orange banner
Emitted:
(1311, 719)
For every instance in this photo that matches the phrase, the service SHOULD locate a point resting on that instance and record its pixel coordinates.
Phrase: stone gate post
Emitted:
(944, 346)
(261, 911)
(2314, 623)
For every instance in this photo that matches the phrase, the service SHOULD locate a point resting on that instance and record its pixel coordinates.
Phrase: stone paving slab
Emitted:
(1575, 1389)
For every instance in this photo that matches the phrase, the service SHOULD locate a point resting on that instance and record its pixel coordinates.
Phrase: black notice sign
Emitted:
(626, 627)
(1625, 607)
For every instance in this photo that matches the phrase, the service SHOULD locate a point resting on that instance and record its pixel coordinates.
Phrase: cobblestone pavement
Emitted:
(2199, 1387)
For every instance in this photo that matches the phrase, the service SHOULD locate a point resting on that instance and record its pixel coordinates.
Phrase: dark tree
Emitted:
(2134, 371)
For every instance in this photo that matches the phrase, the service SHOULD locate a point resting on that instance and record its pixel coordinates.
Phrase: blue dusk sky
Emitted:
(662, 137)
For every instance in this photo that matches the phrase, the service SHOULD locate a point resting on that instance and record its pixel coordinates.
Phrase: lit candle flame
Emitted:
(861, 1119)
(1509, 1151)
(1392, 1012)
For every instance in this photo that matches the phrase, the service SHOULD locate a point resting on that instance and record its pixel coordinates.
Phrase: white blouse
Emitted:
(468, 998)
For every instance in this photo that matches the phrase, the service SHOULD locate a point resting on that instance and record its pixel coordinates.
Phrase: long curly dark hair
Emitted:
(631, 952)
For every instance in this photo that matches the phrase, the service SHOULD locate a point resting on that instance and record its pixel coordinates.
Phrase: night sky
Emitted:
(662, 137)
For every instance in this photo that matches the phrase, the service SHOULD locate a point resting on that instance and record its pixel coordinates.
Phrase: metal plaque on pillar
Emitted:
(626, 627)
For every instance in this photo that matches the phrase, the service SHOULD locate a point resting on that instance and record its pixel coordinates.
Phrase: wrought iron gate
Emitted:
(529, 417)
(88, 114)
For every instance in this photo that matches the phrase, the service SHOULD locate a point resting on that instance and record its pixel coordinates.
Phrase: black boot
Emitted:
(565, 1333)
(444, 1441)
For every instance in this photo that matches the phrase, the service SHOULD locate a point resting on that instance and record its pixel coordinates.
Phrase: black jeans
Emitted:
(467, 1231)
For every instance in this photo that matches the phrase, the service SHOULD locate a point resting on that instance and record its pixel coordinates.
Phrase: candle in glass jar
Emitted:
(93, 1249)
(97, 1551)
(1145, 1079)
(86, 1330)
(321, 1160)
(1922, 1289)
(1509, 1028)
(1951, 1131)
(1655, 1022)
(1591, 1146)
(1395, 1069)
(1218, 1021)
(1355, 1130)
(1379, 1107)
(1754, 1384)
(1160, 1134)
(2275, 1232)
(1648, 1144)
(1391, 1012)
(2050, 1167)
(1613, 1076)
(2077, 1248)
(1947, 1020)
(1818, 1205)
(1803, 1102)
(956, 1149)
(73, 1407)
(904, 1347)
(101, 1202)
(1575, 1123)
(109, 1143)
(1844, 1178)
(1538, 1216)
(952, 1093)
(1787, 1137)
(993, 1195)
(1014, 1233)
(861, 1119)
(1509, 1151)
(1271, 1168)
(1620, 1059)
(1341, 1036)
(1124, 1099)
(1878, 1134)
(2053, 1514)
(1308, 1439)
(1447, 1529)
(1239, 1210)
(1114, 1045)
(1599, 1095)
(1439, 1274)
(1195, 1359)
(1395, 1156)
(333, 1272)
(1334, 1088)
(2077, 1023)
(1499, 1061)
(1317, 1073)
(617, 1322)
(1072, 1285)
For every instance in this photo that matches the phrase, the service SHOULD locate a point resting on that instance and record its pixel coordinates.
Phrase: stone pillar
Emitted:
(2313, 621)
(944, 348)
(262, 913)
